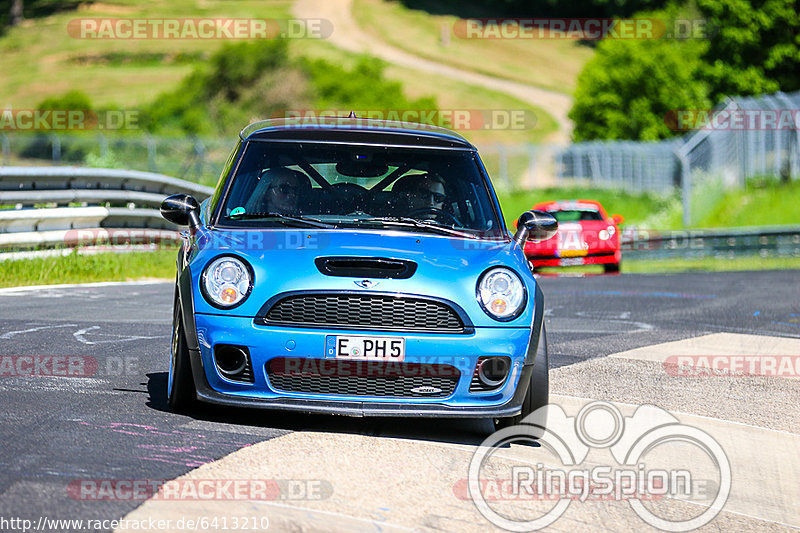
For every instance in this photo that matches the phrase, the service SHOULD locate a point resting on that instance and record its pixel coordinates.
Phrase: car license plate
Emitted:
(369, 348)
(572, 261)
(572, 253)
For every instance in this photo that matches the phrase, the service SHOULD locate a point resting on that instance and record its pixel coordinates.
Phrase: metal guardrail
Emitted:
(60, 178)
(119, 206)
(114, 206)
(763, 241)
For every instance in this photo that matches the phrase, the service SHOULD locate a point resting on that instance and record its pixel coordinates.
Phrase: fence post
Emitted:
(56, 143)
(6, 149)
(200, 153)
(686, 186)
(792, 145)
(502, 156)
(561, 165)
(151, 153)
(531, 168)
(103, 142)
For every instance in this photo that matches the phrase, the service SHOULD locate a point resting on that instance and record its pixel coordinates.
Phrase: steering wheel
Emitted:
(435, 211)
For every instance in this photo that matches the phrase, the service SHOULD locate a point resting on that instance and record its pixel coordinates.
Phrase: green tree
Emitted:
(628, 87)
(755, 47)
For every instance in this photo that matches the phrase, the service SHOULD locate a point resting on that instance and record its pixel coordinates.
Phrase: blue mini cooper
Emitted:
(361, 268)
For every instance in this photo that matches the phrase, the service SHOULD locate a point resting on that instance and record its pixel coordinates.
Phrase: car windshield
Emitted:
(576, 215)
(345, 186)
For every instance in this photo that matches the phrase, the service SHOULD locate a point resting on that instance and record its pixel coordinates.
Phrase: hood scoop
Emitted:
(366, 267)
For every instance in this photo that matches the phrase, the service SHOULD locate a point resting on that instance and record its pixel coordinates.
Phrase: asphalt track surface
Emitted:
(113, 424)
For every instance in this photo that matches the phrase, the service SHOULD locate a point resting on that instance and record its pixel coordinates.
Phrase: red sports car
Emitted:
(586, 236)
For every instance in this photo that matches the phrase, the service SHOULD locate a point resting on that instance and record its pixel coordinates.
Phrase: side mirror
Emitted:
(181, 209)
(618, 219)
(536, 226)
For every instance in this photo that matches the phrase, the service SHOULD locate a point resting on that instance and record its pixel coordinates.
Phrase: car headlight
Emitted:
(501, 293)
(607, 233)
(226, 281)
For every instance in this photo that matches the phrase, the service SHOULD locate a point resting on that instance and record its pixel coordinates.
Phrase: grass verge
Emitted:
(636, 208)
(450, 95)
(41, 60)
(160, 264)
(550, 63)
(80, 268)
(763, 202)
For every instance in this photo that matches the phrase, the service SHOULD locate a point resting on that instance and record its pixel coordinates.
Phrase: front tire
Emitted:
(611, 268)
(538, 394)
(181, 394)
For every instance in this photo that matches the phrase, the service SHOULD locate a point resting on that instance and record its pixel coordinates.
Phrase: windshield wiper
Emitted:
(294, 219)
(422, 224)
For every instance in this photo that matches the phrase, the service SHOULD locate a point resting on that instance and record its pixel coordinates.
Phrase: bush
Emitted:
(250, 81)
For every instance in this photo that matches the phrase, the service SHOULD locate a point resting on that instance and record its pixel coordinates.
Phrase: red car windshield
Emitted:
(576, 215)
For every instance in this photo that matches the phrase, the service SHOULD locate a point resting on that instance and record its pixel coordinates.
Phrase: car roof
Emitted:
(354, 131)
(572, 204)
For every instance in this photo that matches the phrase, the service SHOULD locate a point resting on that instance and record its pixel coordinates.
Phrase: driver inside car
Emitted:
(422, 193)
(280, 190)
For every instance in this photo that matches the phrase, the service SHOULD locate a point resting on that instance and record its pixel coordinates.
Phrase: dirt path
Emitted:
(349, 36)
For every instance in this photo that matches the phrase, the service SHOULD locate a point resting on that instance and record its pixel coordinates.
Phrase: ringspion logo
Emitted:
(651, 450)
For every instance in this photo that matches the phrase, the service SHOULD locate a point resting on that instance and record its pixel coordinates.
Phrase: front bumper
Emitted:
(268, 342)
(358, 408)
(265, 342)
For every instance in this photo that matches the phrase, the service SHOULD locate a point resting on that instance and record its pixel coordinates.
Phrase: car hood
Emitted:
(284, 261)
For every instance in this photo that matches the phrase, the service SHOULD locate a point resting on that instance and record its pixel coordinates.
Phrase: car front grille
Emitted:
(362, 378)
(386, 312)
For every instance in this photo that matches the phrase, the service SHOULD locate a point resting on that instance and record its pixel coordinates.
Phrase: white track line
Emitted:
(28, 288)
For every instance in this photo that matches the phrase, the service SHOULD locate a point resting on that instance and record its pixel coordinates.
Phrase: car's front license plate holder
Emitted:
(365, 348)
